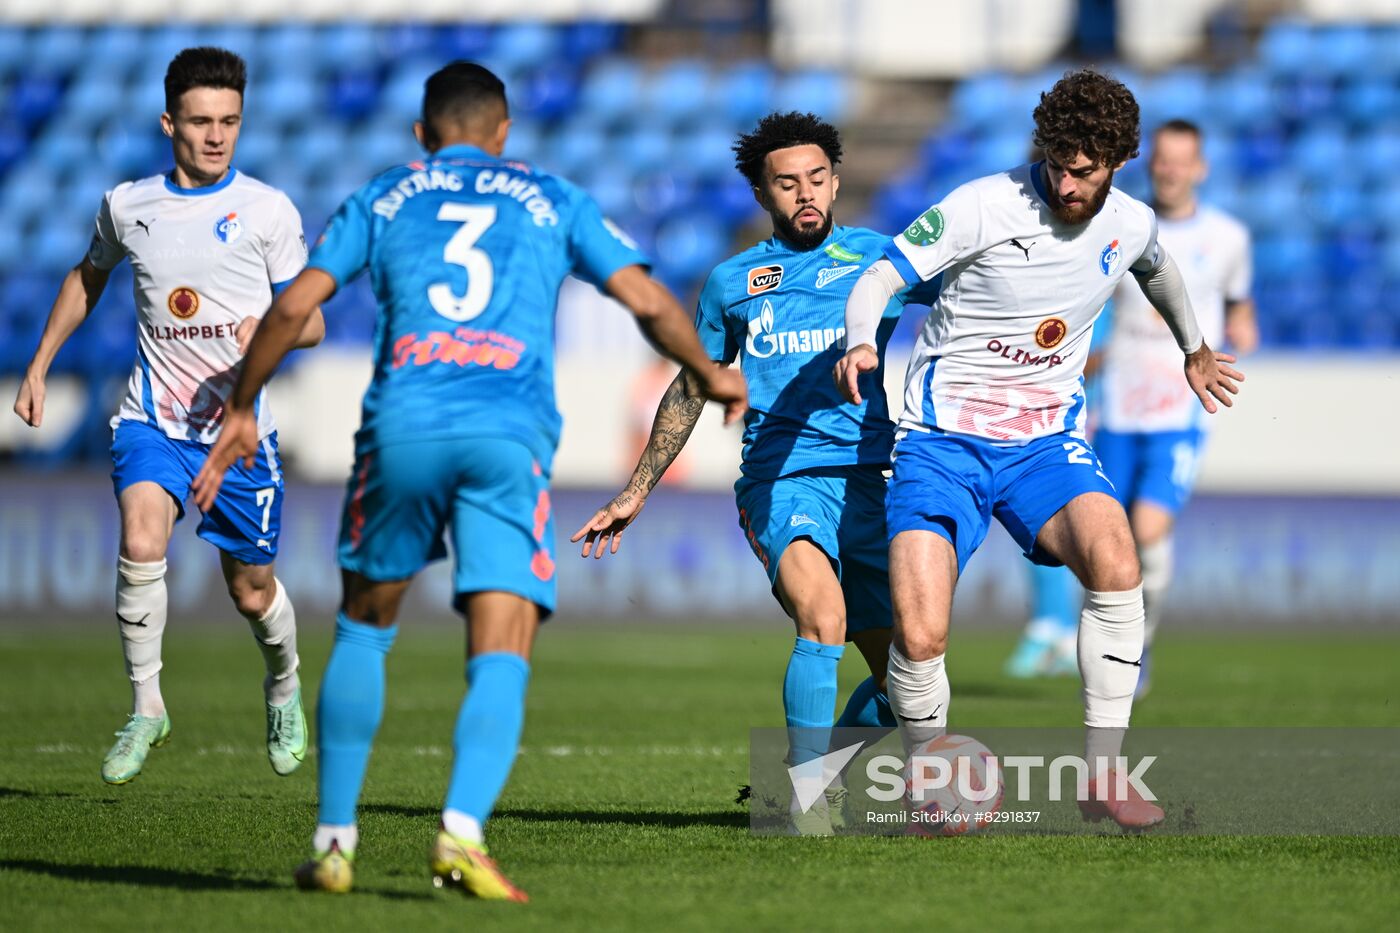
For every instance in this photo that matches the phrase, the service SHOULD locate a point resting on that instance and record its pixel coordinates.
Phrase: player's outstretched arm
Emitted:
(275, 337)
(1207, 372)
(676, 417)
(671, 331)
(864, 308)
(77, 296)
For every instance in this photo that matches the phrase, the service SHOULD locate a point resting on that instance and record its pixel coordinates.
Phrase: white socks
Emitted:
(918, 692)
(326, 833)
(1156, 560)
(1110, 649)
(462, 826)
(141, 611)
(276, 634)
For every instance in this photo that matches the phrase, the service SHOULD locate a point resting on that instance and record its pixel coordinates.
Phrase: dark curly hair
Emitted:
(782, 131)
(203, 66)
(1091, 113)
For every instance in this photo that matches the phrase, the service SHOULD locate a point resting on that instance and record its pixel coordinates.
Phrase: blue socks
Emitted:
(488, 733)
(868, 708)
(348, 712)
(809, 698)
(1055, 595)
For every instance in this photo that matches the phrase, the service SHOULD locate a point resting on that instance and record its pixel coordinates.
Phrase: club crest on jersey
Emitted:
(183, 302)
(1050, 333)
(1109, 258)
(831, 273)
(765, 279)
(926, 230)
(228, 229)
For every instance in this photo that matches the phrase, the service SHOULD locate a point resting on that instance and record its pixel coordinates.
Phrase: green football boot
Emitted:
(286, 735)
(134, 742)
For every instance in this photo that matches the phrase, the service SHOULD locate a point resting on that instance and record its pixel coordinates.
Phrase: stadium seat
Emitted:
(678, 93)
(35, 96)
(353, 93)
(745, 92)
(523, 45)
(821, 92)
(545, 94)
(584, 41)
(613, 91)
(58, 48)
(114, 49)
(350, 45)
(1287, 47)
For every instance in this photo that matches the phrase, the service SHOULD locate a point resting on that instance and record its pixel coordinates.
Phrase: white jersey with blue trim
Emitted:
(202, 260)
(1144, 389)
(1002, 352)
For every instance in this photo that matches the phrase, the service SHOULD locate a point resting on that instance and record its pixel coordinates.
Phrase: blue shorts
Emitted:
(842, 511)
(954, 484)
(1158, 466)
(490, 493)
(247, 513)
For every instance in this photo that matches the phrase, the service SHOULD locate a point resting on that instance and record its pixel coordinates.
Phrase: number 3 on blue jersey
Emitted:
(475, 219)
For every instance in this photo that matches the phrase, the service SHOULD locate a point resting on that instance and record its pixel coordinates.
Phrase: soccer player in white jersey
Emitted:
(209, 247)
(1152, 431)
(994, 405)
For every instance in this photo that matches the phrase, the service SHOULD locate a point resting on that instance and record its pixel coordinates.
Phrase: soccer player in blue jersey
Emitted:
(812, 490)
(466, 252)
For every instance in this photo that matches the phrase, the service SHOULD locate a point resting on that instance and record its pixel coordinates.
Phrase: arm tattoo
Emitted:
(676, 417)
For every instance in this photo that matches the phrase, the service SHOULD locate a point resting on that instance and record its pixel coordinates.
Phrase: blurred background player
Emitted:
(209, 247)
(466, 252)
(812, 490)
(1151, 430)
(994, 403)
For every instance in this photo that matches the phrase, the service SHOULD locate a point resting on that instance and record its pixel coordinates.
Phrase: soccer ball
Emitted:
(951, 796)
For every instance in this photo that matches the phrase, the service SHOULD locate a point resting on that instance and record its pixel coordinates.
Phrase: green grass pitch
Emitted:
(621, 812)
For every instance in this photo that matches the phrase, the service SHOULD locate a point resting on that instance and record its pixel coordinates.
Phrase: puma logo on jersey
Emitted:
(1025, 249)
(830, 274)
(145, 226)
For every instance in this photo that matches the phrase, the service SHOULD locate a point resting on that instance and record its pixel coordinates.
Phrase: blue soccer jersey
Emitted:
(782, 313)
(466, 253)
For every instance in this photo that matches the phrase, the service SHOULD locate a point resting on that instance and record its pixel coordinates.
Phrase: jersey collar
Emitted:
(198, 192)
(779, 243)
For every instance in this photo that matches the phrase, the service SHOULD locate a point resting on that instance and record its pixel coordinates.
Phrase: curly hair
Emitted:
(782, 131)
(1091, 113)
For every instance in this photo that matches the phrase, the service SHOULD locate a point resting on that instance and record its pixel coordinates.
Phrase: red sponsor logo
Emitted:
(462, 347)
(1051, 331)
(765, 279)
(183, 302)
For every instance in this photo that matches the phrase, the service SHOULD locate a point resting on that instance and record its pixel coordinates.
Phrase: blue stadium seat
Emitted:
(613, 91)
(525, 141)
(14, 142)
(669, 191)
(644, 147)
(1337, 204)
(610, 184)
(525, 45)
(35, 96)
(546, 94)
(1261, 150)
(733, 201)
(114, 50)
(402, 96)
(349, 45)
(821, 92)
(288, 99)
(57, 48)
(1182, 92)
(707, 148)
(1320, 150)
(587, 40)
(162, 44)
(243, 41)
(688, 246)
(1241, 97)
(400, 41)
(575, 148)
(679, 92)
(13, 40)
(981, 100)
(353, 93)
(94, 96)
(1305, 96)
(745, 92)
(1370, 100)
(1342, 50)
(1287, 47)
